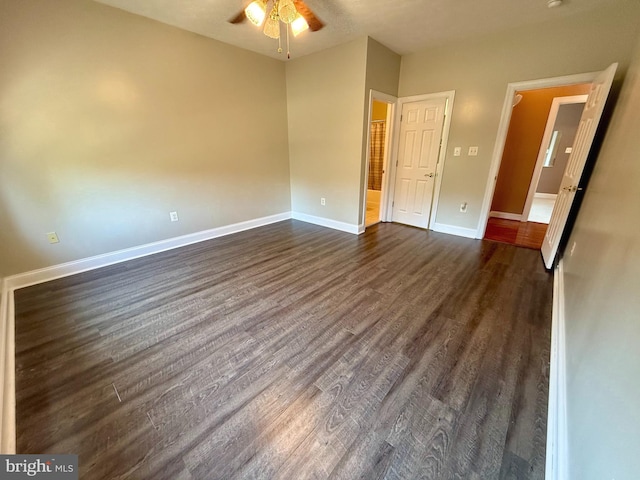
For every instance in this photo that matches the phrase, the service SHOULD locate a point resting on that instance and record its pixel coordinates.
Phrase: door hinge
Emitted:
(401, 117)
(396, 163)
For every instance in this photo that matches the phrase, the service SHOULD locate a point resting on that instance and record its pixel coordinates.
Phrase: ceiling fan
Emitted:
(292, 13)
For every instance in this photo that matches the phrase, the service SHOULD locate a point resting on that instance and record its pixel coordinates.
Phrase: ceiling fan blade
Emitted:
(241, 17)
(314, 22)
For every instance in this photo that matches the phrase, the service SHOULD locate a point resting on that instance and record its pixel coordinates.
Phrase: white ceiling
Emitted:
(404, 26)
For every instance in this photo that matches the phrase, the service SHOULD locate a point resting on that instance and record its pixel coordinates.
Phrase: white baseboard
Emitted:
(557, 453)
(78, 266)
(453, 230)
(7, 371)
(506, 215)
(546, 196)
(327, 222)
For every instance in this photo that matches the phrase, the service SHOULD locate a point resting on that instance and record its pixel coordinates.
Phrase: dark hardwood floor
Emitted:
(515, 232)
(292, 351)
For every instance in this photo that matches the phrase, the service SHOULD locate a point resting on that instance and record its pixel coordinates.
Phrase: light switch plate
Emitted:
(568, 150)
(457, 151)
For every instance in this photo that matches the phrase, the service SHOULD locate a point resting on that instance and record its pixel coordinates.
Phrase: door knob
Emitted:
(429, 175)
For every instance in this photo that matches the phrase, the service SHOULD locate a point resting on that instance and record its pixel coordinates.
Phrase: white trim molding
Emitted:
(78, 266)
(546, 196)
(505, 215)
(453, 230)
(557, 453)
(329, 223)
(7, 371)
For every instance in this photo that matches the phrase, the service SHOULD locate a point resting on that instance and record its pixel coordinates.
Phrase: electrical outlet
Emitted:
(463, 207)
(473, 151)
(173, 216)
(53, 237)
(457, 151)
(323, 201)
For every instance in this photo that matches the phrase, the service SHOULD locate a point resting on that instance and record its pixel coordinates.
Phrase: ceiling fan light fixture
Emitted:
(281, 14)
(299, 25)
(287, 11)
(272, 25)
(256, 11)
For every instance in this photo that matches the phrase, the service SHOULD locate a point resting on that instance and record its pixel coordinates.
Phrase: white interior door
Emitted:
(419, 147)
(575, 165)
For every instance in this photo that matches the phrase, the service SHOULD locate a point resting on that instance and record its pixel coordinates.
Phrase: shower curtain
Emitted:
(376, 155)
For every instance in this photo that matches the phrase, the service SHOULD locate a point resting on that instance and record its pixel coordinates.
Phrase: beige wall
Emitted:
(108, 121)
(526, 129)
(325, 106)
(566, 125)
(383, 69)
(602, 281)
(480, 69)
(327, 101)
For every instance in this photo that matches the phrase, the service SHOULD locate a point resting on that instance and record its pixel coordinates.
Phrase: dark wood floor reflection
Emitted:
(515, 232)
(292, 351)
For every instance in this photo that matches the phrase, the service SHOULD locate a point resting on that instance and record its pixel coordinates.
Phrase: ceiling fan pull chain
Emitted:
(279, 44)
(288, 52)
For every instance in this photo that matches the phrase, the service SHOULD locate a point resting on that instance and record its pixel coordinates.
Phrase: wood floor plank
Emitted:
(515, 232)
(368, 458)
(293, 351)
(422, 438)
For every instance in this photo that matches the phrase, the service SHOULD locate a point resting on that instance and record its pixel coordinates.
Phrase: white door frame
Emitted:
(391, 102)
(503, 128)
(449, 96)
(546, 138)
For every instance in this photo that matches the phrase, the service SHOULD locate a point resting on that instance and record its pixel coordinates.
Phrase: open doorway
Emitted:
(600, 86)
(377, 155)
(540, 136)
(381, 118)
